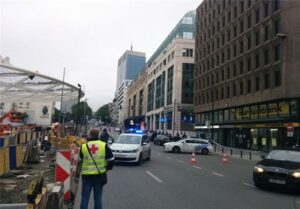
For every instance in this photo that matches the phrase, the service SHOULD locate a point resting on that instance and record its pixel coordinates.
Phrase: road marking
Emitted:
(179, 161)
(249, 185)
(218, 174)
(197, 167)
(153, 176)
(169, 158)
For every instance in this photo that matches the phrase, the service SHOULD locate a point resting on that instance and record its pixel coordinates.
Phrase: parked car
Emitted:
(281, 167)
(189, 145)
(161, 140)
(131, 148)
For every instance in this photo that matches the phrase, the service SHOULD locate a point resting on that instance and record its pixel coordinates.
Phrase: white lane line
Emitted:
(179, 161)
(169, 158)
(218, 174)
(153, 176)
(249, 185)
(197, 167)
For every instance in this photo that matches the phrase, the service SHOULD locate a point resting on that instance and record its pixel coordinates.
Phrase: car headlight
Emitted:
(258, 169)
(296, 174)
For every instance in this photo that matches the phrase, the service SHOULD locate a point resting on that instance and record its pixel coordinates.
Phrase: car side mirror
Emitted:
(183, 142)
(144, 143)
(263, 156)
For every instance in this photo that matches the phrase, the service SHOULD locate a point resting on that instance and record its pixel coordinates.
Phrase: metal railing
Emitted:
(238, 153)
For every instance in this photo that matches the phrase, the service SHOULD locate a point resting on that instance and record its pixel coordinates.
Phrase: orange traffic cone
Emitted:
(224, 160)
(193, 159)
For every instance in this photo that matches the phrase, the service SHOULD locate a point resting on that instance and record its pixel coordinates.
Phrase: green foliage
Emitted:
(103, 114)
(83, 109)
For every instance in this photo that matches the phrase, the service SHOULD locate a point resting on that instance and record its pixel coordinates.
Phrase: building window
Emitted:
(249, 21)
(242, 6)
(229, 17)
(234, 70)
(234, 50)
(257, 16)
(277, 52)
(257, 60)
(276, 26)
(187, 35)
(235, 12)
(241, 47)
(249, 63)
(227, 92)
(266, 6)
(266, 55)
(276, 5)
(257, 35)
(222, 75)
(267, 28)
(228, 54)
(228, 35)
(222, 93)
(242, 26)
(187, 52)
(249, 42)
(241, 88)
(267, 80)
(234, 31)
(234, 90)
(257, 83)
(248, 86)
(277, 78)
(228, 73)
(241, 67)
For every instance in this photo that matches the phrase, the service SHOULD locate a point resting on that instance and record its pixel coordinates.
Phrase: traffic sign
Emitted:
(290, 130)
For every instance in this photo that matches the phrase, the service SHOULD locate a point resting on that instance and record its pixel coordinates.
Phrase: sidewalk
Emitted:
(238, 153)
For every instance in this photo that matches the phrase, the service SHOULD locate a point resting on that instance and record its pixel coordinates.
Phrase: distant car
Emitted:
(189, 145)
(161, 140)
(281, 167)
(117, 129)
(131, 148)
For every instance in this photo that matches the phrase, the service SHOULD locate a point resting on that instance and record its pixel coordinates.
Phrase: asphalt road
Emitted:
(170, 181)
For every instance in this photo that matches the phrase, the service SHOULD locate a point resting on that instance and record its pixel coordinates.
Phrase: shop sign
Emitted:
(290, 130)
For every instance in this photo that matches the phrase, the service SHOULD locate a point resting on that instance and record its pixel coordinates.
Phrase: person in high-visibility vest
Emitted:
(97, 159)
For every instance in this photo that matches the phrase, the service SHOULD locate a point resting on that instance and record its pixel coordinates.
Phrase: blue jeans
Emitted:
(87, 184)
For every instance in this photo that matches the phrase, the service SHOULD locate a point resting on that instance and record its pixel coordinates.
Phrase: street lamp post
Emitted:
(77, 114)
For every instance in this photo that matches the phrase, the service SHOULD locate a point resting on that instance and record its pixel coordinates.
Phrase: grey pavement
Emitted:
(170, 181)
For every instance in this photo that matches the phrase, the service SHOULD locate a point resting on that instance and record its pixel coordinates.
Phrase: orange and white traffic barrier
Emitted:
(224, 160)
(63, 171)
(193, 159)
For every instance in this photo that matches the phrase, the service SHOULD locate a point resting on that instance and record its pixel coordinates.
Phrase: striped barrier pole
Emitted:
(63, 171)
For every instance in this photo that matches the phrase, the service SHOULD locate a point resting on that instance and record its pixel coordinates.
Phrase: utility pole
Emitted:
(77, 114)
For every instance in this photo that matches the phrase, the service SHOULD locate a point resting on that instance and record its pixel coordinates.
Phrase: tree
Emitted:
(103, 114)
(83, 111)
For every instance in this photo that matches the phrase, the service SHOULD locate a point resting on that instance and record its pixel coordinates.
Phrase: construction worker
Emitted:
(97, 160)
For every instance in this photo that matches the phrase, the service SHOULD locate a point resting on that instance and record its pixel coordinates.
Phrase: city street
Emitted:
(170, 181)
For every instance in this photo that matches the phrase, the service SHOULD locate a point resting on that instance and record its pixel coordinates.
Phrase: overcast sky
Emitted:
(85, 37)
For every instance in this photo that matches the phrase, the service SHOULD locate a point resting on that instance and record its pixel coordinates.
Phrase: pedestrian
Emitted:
(104, 136)
(97, 160)
(184, 136)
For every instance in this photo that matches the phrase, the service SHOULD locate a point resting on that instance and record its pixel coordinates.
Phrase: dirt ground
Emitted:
(14, 190)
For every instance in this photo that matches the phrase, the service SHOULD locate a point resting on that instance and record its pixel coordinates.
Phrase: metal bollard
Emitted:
(231, 152)
(250, 155)
(215, 148)
(222, 149)
(241, 153)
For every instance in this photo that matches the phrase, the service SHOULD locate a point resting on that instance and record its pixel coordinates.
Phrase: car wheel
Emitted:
(140, 160)
(204, 151)
(176, 149)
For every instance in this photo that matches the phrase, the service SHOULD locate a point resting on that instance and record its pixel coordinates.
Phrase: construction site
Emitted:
(38, 159)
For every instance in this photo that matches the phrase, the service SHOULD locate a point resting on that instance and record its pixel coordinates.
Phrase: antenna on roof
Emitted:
(131, 47)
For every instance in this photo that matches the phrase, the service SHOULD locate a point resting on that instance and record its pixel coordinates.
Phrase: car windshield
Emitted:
(284, 155)
(128, 139)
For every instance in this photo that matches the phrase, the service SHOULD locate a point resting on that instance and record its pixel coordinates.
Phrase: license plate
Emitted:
(276, 181)
(119, 155)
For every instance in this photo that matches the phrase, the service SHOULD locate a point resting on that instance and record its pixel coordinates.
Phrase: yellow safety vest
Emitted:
(97, 149)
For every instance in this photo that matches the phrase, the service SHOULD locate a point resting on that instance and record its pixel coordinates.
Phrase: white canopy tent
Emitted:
(17, 84)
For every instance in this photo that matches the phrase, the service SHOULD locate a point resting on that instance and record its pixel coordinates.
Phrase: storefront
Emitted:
(260, 126)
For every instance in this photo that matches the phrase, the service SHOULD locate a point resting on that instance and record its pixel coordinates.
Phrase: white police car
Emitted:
(131, 148)
(189, 145)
